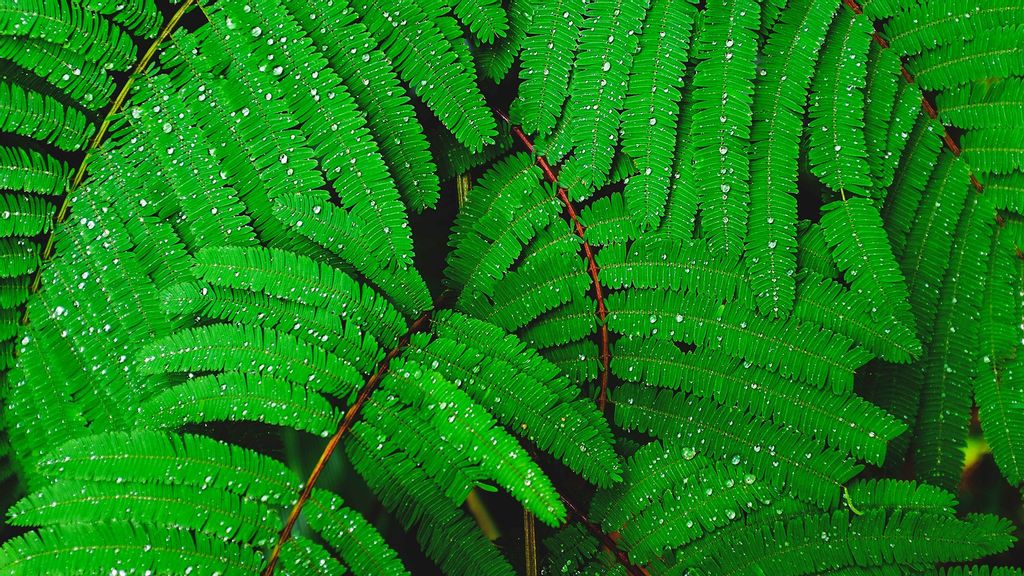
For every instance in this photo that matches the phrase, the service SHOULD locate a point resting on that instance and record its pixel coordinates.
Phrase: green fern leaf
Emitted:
(813, 253)
(723, 434)
(949, 365)
(722, 100)
(882, 117)
(687, 267)
(498, 454)
(447, 88)
(34, 115)
(994, 150)
(221, 347)
(24, 215)
(496, 59)
(996, 50)
(946, 22)
(911, 176)
(853, 541)
(983, 105)
(219, 515)
(996, 387)
(73, 26)
(799, 351)
(607, 44)
(63, 68)
(124, 546)
(485, 18)
(650, 109)
(848, 312)
(547, 59)
(931, 239)
(853, 229)
(779, 98)
(838, 154)
(846, 422)
(233, 396)
(446, 535)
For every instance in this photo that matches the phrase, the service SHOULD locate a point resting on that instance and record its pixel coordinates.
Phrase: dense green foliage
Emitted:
(727, 285)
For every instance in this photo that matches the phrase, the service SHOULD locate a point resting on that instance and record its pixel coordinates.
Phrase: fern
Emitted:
(722, 288)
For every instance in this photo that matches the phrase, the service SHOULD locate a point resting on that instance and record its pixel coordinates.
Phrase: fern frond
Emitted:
(850, 313)
(813, 253)
(911, 32)
(498, 454)
(123, 546)
(575, 320)
(24, 215)
(495, 60)
(994, 150)
(978, 571)
(486, 19)
(426, 61)
(683, 197)
(782, 454)
(539, 403)
(597, 90)
(795, 350)
(846, 422)
(719, 494)
(851, 540)
(949, 365)
(357, 542)
(607, 220)
(996, 388)
(887, 119)
(222, 347)
(446, 534)
(1005, 191)
(370, 77)
(333, 228)
(983, 105)
(996, 50)
(34, 115)
(687, 266)
(853, 229)
(547, 60)
(73, 26)
(490, 237)
(651, 107)
(722, 99)
(930, 241)
(779, 98)
(838, 153)
(62, 68)
(916, 163)
(234, 396)
(215, 514)
(900, 495)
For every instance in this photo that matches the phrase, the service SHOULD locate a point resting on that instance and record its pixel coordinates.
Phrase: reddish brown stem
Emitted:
(607, 541)
(346, 424)
(551, 175)
(926, 105)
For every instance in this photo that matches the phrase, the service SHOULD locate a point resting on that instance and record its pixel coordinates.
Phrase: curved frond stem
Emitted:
(115, 108)
(602, 311)
(351, 415)
(605, 540)
(926, 105)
